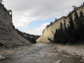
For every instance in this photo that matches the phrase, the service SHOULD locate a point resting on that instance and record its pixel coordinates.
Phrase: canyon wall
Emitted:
(49, 31)
(8, 35)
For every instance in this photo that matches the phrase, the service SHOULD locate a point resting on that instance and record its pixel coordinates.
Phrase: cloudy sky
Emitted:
(32, 16)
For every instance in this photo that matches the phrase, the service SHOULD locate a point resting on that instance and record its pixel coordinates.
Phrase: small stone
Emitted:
(58, 61)
(2, 58)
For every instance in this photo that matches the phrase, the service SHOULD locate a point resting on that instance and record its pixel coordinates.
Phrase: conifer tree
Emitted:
(65, 28)
(76, 19)
(81, 26)
(71, 30)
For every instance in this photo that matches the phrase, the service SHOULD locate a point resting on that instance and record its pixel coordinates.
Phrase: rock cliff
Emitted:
(49, 31)
(8, 35)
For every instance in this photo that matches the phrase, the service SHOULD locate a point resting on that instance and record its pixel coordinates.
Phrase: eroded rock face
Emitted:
(49, 31)
(8, 35)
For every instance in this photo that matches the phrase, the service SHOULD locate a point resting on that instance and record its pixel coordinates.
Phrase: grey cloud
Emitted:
(42, 8)
(54, 7)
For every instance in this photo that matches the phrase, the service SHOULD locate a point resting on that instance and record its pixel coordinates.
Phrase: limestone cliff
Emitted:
(8, 35)
(49, 31)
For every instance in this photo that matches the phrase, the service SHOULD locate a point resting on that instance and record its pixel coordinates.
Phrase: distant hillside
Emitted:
(50, 31)
(31, 38)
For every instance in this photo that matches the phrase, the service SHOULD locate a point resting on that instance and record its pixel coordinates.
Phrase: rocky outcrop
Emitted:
(50, 30)
(8, 35)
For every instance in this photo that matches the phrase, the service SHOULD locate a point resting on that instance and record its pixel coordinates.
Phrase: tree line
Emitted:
(73, 33)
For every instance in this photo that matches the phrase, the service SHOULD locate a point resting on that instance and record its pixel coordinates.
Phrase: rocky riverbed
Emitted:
(42, 53)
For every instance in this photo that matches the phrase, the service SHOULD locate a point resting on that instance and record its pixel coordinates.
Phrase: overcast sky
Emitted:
(32, 16)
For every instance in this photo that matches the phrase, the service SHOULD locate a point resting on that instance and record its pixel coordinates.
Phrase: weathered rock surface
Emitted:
(49, 31)
(8, 35)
